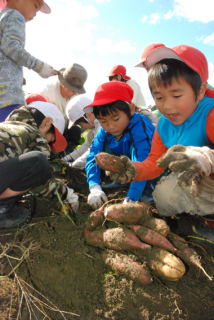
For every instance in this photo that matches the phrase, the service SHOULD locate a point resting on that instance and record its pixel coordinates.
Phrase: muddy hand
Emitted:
(126, 176)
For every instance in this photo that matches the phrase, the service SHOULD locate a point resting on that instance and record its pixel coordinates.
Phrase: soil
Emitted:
(63, 270)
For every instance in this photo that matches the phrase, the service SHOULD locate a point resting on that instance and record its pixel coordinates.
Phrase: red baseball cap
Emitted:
(34, 97)
(44, 7)
(192, 57)
(146, 51)
(119, 70)
(109, 92)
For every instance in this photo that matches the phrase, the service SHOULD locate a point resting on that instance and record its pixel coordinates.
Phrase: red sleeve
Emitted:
(147, 169)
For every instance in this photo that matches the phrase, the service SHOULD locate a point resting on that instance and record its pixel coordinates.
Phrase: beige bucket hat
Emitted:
(73, 78)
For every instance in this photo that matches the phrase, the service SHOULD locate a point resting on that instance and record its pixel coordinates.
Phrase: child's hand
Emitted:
(126, 176)
(72, 199)
(47, 71)
(193, 163)
(96, 197)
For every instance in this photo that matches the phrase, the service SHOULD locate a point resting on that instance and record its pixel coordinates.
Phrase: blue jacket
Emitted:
(135, 143)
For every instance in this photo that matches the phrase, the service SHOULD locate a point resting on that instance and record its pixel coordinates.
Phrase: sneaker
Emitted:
(204, 231)
(15, 217)
(114, 184)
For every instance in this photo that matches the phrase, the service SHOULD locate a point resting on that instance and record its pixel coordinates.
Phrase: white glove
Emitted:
(72, 199)
(67, 158)
(47, 71)
(96, 197)
(193, 163)
(79, 163)
(127, 200)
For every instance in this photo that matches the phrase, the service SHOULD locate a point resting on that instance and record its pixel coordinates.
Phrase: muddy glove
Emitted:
(47, 71)
(127, 200)
(72, 199)
(193, 163)
(96, 197)
(126, 176)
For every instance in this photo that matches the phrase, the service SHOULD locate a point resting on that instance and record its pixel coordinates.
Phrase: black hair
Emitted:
(82, 119)
(39, 117)
(166, 70)
(115, 77)
(108, 108)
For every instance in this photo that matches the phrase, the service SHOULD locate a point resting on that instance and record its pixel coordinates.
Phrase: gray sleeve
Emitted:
(13, 41)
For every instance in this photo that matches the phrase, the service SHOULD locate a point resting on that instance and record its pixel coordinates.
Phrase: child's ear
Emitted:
(201, 92)
(46, 122)
(132, 108)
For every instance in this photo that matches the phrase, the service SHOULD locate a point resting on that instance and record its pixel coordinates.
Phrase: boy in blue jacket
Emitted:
(123, 132)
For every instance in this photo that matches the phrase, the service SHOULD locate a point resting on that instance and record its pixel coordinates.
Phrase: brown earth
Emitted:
(59, 265)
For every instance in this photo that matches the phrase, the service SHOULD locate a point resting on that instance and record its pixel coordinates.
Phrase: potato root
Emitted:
(121, 263)
(165, 265)
(152, 237)
(127, 212)
(158, 225)
(109, 162)
(119, 239)
(95, 219)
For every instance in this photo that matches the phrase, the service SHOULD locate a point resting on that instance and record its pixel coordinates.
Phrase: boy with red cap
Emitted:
(13, 56)
(123, 132)
(27, 137)
(184, 137)
(118, 73)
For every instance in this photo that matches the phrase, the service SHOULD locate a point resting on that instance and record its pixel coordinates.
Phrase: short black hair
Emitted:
(82, 119)
(107, 109)
(115, 77)
(164, 71)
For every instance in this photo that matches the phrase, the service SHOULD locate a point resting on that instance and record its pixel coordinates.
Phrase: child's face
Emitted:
(45, 127)
(177, 101)
(115, 122)
(28, 8)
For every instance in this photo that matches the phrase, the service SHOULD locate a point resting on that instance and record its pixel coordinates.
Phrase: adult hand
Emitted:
(47, 71)
(126, 176)
(72, 199)
(96, 197)
(193, 163)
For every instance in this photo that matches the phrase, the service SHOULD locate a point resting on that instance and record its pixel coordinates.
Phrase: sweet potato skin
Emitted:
(120, 239)
(152, 237)
(127, 213)
(109, 162)
(121, 263)
(165, 265)
(158, 225)
(95, 219)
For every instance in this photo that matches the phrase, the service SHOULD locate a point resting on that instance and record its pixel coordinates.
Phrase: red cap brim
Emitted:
(60, 142)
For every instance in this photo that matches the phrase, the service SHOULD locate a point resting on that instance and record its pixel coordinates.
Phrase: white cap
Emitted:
(74, 109)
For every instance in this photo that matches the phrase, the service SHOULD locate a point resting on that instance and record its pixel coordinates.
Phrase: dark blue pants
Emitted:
(4, 112)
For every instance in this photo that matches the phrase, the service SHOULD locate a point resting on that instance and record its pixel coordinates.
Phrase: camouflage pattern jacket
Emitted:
(19, 134)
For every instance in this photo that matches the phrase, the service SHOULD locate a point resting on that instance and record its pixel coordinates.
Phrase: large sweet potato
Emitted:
(127, 212)
(158, 225)
(165, 265)
(95, 219)
(152, 237)
(125, 265)
(109, 162)
(119, 239)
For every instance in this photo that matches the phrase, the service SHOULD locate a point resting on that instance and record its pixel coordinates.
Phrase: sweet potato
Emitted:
(125, 265)
(117, 239)
(95, 219)
(127, 212)
(165, 265)
(86, 232)
(186, 253)
(158, 225)
(152, 237)
(109, 162)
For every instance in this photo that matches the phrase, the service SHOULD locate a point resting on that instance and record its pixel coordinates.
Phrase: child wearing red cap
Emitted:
(123, 132)
(184, 137)
(13, 56)
(26, 139)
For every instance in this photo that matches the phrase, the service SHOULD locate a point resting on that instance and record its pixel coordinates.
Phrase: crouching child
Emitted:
(26, 139)
(122, 132)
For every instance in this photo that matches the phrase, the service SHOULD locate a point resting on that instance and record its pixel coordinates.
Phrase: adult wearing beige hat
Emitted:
(70, 83)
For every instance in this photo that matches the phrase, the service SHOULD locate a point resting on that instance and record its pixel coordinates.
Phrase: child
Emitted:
(13, 56)
(118, 73)
(76, 116)
(26, 139)
(123, 132)
(184, 137)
